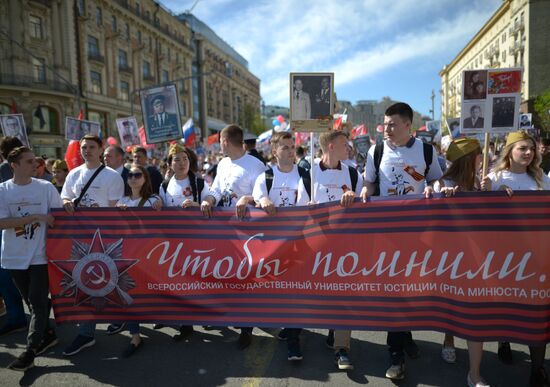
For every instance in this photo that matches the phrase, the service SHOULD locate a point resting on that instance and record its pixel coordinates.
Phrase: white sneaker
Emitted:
(470, 382)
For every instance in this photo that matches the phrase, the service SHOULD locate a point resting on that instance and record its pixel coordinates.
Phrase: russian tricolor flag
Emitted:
(189, 132)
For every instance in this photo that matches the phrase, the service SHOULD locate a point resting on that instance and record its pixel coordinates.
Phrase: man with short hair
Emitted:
(334, 181)
(401, 165)
(16, 320)
(25, 203)
(160, 118)
(301, 159)
(114, 158)
(139, 155)
(235, 178)
(301, 104)
(475, 120)
(544, 147)
(104, 191)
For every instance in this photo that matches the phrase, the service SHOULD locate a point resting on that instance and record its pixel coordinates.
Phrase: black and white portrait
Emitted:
(161, 115)
(128, 131)
(454, 127)
(525, 120)
(75, 129)
(472, 116)
(503, 112)
(14, 125)
(475, 84)
(311, 99)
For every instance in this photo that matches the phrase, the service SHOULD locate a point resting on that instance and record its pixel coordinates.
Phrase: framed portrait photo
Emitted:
(161, 116)
(14, 125)
(75, 129)
(128, 131)
(311, 101)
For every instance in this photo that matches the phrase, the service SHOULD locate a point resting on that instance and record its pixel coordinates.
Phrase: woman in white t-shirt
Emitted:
(184, 189)
(465, 156)
(518, 169)
(142, 195)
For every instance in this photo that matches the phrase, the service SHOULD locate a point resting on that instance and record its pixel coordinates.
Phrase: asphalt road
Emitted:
(210, 358)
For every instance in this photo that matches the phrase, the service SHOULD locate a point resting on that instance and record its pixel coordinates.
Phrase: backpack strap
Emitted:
(164, 186)
(354, 176)
(269, 179)
(142, 202)
(428, 156)
(306, 179)
(197, 185)
(378, 153)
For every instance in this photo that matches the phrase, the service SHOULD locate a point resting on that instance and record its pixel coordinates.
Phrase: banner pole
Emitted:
(485, 156)
(311, 152)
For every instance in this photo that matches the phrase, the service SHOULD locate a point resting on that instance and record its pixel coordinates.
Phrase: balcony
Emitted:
(96, 56)
(517, 26)
(26, 81)
(124, 68)
(149, 78)
(516, 47)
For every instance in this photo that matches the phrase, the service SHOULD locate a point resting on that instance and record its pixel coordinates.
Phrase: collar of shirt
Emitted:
(324, 167)
(409, 143)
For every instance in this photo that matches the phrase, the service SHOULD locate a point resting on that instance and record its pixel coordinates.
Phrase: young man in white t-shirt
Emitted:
(106, 190)
(334, 181)
(401, 171)
(278, 187)
(234, 179)
(25, 203)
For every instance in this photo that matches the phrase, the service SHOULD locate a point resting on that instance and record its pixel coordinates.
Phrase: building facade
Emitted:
(516, 35)
(60, 57)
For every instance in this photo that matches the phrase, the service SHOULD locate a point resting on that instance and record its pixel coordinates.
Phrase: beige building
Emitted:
(516, 35)
(57, 59)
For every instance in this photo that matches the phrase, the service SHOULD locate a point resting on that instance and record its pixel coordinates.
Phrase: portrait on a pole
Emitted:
(14, 125)
(75, 129)
(311, 101)
(161, 115)
(128, 131)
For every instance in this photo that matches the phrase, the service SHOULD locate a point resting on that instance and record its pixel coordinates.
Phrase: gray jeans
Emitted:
(34, 287)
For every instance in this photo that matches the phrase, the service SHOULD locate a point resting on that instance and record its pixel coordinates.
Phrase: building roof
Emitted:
(200, 27)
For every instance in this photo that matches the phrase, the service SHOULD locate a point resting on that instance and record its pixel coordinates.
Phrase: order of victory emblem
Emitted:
(96, 273)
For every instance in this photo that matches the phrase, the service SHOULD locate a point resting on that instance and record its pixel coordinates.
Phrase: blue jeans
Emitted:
(133, 328)
(12, 299)
(86, 329)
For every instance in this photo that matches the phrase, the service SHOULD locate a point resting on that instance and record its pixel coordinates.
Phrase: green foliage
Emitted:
(542, 111)
(252, 120)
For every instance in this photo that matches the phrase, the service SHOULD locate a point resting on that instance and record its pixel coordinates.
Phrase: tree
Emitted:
(542, 112)
(253, 120)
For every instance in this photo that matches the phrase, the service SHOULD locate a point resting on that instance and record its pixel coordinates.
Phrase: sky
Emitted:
(375, 48)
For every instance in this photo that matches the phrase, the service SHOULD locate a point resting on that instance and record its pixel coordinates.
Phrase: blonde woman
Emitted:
(518, 169)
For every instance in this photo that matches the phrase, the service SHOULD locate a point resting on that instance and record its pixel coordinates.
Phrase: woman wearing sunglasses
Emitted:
(141, 196)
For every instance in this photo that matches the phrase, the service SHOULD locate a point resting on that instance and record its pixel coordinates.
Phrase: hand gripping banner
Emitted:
(475, 266)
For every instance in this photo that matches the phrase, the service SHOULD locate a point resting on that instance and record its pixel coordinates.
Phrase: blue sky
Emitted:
(375, 48)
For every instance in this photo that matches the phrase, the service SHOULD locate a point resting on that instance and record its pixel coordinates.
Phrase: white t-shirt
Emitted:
(284, 190)
(330, 185)
(179, 191)
(108, 185)
(235, 178)
(516, 181)
(129, 202)
(402, 169)
(25, 246)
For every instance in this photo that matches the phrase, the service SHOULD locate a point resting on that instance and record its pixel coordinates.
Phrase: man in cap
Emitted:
(160, 118)
(250, 146)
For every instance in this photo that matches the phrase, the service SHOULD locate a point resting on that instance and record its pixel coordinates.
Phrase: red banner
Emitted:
(474, 265)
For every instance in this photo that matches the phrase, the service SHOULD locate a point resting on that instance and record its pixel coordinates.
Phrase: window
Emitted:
(114, 23)
(139, 36)
(504, 37)
(138, 9)
(146, 69)
(124, 91)
(98, 17)
(126, 30)
(165, 76)
(95, 78)
(93, 47)
(36, 27)
(122, 59)
(44, 119)
(81, 7)
(504, 55)
(39, 70)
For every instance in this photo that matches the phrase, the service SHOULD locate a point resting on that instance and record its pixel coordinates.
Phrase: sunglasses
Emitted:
(136, 175)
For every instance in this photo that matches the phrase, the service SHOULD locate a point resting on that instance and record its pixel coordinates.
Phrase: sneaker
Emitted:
(185, 332)
(10, 328)
(448, 354)
(330, 339)
(283, 334)
(539, 378)
(341, 358)
(245, 339)
(471, 383)
(49, 340)
(505, 353)
(411, 348)
(294, 352)
(115, 328)
(158, 326)
(131, 349)
(397, 368)
(78, 344)
(23, 362)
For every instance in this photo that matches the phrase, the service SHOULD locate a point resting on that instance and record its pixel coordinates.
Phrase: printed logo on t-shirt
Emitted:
(27, 231)
(87, 201)
(227, 197)
(400, 184)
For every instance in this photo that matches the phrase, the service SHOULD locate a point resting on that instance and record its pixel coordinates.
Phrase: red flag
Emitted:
(73, 158)
(13, 108)
(359, 130)
(81, 115)
(302, 138)
(143, 138)
(213, 138)
(380, 129)
(338, 123)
